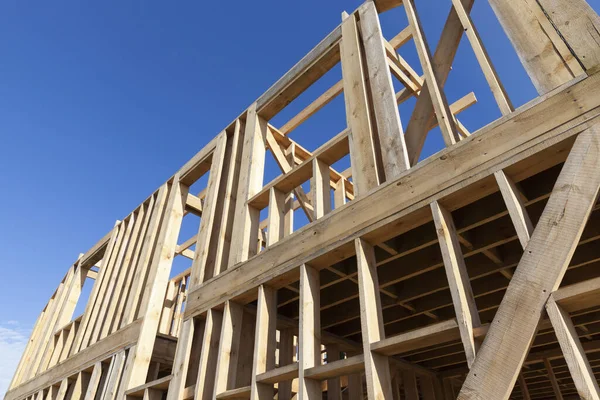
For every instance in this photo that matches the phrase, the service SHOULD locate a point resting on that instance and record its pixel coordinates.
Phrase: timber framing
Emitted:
(364, 269)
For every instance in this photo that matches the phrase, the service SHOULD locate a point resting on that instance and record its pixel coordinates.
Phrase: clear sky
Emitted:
(100, 102)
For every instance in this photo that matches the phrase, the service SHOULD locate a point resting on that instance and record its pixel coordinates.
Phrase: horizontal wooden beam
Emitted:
(279, 374)
(346, 366)
(510, 139)
(579, 296)
(85, 359)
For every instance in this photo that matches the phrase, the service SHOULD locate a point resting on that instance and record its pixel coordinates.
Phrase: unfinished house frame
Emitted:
(472, 274)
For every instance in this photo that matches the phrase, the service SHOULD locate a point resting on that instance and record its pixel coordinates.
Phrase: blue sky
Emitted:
(101, 102)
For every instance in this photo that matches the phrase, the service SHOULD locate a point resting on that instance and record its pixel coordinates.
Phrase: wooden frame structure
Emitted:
(475, 276)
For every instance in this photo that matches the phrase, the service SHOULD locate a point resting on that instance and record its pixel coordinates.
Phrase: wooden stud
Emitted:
(553, 381)
(516, 207)
(458, 279)
(229, 348)
(181, 361)
(436, 92)
(286, 357)
(387, 117)
(265, 342)
(309, 338)
(377, 369)
(278, 203)
(320, 188)
(200, 266)
(205, 383)
(483, 58)
(245, 231)
(333, 384)
(157, 282)
(409, 380)
(362, 150)
(577, 361)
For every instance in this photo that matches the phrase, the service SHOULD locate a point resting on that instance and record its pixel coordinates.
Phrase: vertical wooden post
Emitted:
(205, 382)
(286, 357)
(377, 367)
(577, 361)
(467, 315)
(539, 272)
(200, 267)
(246, 220)
(310, 332)
(277, 213)
(333, 384)
(362, 147)
(387, 117)
(265, 342)
(320, 188)
(229, 348)
(158, 277)
(181, 361)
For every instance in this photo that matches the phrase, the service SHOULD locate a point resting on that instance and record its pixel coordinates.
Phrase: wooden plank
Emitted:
(364, 169)
(181, 361)
(553, 381)
(132, 260)
(92, 389)
(277, 212)
(287, 352)
(265, 342)
(436, 92)
(312, 108)
(539, 272)
(531, 129)
(579, 296)
(125, 271)
(483, 58)
(544, 64)
(516, 207)
(377, 367)
(133, 307)
(193, 204)
(423, 113)
(577, 361)
(279, 374)
(333, 384)
(158, 278)
(238, 393)
(309, 338)
(320, 188)
(206, 228)
(209, 355)
(310, 68)
(229, 346)
(337, 368)
(524, 388)
(579, 25)
(389, 128)
(458, 279)
(114, 283)
(430, 335)
(245, 231)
